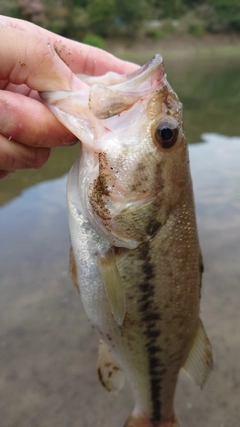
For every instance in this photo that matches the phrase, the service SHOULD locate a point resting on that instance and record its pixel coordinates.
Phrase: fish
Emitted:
(135, 257)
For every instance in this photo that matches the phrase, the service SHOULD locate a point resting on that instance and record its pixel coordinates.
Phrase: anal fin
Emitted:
(113, 286)
(199, 362)
(110, 375)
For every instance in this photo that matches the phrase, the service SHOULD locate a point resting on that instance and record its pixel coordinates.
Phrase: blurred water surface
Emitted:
(48, 350)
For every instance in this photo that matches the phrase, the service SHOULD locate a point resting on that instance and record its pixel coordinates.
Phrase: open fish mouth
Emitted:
(120, 180)
(90, 112)
(107, 102)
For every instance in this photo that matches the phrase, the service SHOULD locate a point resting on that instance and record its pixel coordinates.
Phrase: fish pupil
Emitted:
(167, 134)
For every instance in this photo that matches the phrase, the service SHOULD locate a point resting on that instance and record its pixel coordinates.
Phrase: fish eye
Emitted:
(166, 134)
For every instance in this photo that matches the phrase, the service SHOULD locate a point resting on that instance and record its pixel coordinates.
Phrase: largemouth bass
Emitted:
(135, 247)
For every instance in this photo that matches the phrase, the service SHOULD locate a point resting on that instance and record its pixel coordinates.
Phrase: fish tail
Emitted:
(141, 421)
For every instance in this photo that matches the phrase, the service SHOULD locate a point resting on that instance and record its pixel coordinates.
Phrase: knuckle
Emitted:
(39, 157)
(44, 51)
(10, 161)
(15, 155)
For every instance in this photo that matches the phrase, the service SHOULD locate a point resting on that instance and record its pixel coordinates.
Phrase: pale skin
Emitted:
(35, 60)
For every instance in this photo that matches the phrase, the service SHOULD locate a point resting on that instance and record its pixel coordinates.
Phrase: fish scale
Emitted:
(135, 249)
(151, 320)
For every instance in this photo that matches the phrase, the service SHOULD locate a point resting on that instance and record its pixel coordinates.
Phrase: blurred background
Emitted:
(154, 19)
(48, 350)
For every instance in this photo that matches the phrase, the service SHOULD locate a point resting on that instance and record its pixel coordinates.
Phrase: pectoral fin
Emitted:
(199, 362)
(110, 375)
(73, 269)
(113, 286)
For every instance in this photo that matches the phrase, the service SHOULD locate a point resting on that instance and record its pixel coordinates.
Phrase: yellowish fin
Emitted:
(110, 375)
(141, 421)
(113, 286)
(73, 269)
(199, 362)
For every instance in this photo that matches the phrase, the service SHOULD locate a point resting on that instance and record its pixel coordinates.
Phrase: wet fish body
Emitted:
(134, 236)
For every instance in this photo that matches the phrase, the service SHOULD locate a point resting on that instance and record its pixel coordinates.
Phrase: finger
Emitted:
(79, 57)
(3, 174)
(93, 61)
(30, 122)
(16, 156)
(30, 59)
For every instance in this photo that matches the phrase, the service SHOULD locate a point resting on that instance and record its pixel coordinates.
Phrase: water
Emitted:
(48, 350)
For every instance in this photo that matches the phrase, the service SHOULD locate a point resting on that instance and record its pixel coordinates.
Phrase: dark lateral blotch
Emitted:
(153, 227)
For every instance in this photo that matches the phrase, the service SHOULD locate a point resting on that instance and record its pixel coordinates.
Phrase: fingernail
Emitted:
(68, 143)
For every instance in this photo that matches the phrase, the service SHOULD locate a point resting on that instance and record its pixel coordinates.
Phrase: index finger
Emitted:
(30, 59)
(79, 57)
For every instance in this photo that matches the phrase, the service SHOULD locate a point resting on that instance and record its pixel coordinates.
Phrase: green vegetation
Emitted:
(166, 29)
(156, 19)
(94, 40)
(226, 14)
(196, 30)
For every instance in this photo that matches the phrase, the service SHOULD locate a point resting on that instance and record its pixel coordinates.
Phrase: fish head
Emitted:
(133, 165)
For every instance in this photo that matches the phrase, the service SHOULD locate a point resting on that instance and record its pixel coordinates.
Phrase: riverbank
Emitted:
(182, 45)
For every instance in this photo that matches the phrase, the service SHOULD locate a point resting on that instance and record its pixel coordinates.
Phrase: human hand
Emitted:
(35, 60)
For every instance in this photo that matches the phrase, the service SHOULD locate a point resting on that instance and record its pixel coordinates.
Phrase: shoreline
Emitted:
(174, 46)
